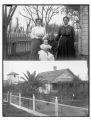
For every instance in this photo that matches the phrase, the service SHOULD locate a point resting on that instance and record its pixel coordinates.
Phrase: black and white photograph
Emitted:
(45, 89)
(45, 60)
(45, 32)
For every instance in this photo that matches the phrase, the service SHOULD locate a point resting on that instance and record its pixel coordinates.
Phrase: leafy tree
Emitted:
(31, 84)
(78, 87)
(72, 12)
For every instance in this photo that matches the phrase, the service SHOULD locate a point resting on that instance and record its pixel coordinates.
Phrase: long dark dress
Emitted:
(66, 38)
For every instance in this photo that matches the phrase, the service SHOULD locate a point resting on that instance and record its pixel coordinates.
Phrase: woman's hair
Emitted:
(65, 17)
(38, 19)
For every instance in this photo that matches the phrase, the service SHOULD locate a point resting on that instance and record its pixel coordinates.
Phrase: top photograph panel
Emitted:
(45, 32)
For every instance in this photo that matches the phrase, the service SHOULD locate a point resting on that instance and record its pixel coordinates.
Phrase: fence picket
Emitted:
(33, 102)
(56, 106)
(10, 97)
(20, 99)
(18, 43)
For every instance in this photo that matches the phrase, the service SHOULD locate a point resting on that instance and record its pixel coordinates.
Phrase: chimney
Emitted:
(54, 68)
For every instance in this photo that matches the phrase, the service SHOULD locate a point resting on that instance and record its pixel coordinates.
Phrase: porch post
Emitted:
(84, 31)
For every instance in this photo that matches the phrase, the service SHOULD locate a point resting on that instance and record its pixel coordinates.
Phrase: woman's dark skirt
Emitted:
(35, 47)
(66, 48)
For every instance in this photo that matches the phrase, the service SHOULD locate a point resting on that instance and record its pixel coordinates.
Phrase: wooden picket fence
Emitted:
(18, 44)
(44, 108)
(30, 105)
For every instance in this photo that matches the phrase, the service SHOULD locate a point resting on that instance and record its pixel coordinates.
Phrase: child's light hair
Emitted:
(45, 40)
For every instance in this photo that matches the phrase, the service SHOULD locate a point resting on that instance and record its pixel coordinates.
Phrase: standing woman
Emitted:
(37, 33)
(65, 38)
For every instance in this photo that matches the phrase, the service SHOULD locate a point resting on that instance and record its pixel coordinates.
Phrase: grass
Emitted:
(49, 109)
(10, 111)
(21, 56)
(26, 56)
(78, 103)
(45, 108)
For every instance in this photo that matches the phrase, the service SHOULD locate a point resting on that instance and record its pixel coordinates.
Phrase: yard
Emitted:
(10, 111)
(48, 108)
(63, 110)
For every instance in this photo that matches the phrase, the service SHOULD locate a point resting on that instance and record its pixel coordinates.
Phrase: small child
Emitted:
(44, 54)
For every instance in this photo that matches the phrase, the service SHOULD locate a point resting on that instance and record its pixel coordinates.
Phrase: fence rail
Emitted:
(44, 108)
(19, 43)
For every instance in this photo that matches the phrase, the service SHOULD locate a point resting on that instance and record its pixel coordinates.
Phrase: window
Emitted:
(14, 75)
(54, 86)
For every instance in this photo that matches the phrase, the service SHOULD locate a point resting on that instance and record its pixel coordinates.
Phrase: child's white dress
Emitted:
(45, 56)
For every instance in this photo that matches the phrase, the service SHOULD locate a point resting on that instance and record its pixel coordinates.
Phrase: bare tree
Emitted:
(28, 25)
(46, 13)
(16, 29)
(8, 11)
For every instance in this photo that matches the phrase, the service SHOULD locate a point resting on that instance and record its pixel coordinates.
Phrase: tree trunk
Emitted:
(46, 27)
(5, 45)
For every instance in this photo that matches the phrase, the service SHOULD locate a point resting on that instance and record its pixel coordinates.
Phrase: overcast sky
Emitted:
(20, 67)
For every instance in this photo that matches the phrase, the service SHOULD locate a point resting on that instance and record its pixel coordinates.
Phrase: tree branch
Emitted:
(42, 12)
(9, 17)
(30, 13)
(25, 16)
(54, 12)
(10, 11)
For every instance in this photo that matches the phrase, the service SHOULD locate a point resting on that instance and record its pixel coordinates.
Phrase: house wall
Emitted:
(83, 33)
(45, 90)
(13, 79)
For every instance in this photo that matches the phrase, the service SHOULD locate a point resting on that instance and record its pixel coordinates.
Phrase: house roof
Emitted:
(13, 73)
(55, 76)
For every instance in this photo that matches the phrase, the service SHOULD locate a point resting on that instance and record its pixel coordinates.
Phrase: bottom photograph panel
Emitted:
(57, 88)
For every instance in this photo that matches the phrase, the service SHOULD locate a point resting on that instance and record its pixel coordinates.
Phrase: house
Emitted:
(84, 30)
(5, 83)
(51, 79)
(13, 78)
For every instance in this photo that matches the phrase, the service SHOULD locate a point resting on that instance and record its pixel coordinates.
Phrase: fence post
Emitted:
(56, 106)
(10, 97)
(33, 102)
(19, 99)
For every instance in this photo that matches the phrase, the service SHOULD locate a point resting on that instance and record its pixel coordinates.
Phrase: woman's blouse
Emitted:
(38, 32)
(66, 31)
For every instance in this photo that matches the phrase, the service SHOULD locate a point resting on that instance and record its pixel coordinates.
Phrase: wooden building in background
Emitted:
(83, 40)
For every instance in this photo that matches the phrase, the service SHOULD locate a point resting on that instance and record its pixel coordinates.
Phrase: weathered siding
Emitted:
(66, 76)
(83, 38)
